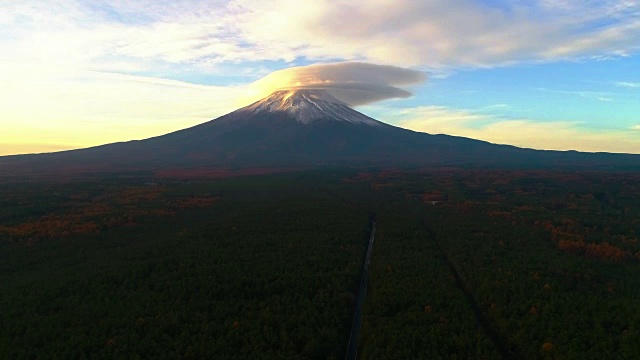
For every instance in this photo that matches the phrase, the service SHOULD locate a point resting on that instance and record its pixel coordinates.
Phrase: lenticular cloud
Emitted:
(354, 83)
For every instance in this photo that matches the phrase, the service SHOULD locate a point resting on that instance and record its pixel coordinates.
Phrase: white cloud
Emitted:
(439, 34)
(627, 84)
(593, 95)
(494, 106)
(352, 82)
(445, 33)
(558, 135)
(636, 127)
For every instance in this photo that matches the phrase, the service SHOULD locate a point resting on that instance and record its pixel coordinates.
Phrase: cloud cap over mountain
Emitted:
(355, 83)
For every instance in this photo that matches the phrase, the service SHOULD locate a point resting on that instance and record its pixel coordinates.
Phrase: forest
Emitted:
(467, 264)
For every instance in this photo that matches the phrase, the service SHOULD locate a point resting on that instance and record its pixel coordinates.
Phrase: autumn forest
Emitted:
(467, 264)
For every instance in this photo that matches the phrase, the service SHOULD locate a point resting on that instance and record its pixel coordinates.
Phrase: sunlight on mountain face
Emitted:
(308, 105)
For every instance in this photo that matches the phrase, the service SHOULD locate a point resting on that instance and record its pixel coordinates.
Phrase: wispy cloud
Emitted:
(494, 107)
(157, 34)
(594, 95)
(626, 84)
(636, 127)
(554, 135)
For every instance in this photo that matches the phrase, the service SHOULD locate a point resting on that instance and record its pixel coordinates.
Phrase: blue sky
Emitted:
(547, 74)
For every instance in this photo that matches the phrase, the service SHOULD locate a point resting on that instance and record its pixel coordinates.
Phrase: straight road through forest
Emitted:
(352, 349)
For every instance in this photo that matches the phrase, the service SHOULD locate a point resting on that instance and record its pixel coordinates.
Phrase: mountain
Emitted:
(301, 128)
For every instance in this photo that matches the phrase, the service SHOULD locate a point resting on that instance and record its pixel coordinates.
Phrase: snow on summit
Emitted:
(309, 105)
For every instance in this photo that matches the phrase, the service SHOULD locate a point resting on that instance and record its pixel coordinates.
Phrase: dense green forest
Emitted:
(466, 264)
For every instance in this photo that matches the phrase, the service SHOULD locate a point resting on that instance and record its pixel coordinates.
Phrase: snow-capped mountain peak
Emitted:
(309, 105)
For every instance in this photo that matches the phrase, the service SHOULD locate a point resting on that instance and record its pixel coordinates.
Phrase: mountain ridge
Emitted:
(301, 128)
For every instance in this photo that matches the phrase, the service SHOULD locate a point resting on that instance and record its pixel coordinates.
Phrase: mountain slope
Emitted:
(301, 127)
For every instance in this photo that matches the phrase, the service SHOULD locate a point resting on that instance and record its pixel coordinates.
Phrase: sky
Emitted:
(544, 74)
